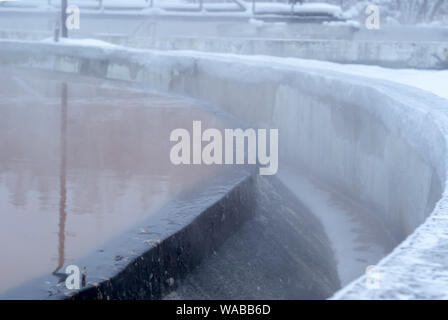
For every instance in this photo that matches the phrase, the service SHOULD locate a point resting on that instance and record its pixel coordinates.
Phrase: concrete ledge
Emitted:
(391, 54)
(381, 143)
(156, 272)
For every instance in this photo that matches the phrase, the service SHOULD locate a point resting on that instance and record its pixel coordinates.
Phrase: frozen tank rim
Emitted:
(423, 104)
(96, 49)
(113, 256)
(426, 104)
(100, 49)
(143, 57)
(440, 213)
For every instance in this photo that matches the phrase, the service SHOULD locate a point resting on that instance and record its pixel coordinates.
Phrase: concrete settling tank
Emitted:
(86, 178)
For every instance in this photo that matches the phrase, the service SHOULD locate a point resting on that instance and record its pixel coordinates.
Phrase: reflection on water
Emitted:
(62, 179)
(81, 160)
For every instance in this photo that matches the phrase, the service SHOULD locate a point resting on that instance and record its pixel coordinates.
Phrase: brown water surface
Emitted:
(81, 160)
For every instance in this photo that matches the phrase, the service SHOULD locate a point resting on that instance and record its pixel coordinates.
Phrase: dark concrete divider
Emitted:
(157, 271)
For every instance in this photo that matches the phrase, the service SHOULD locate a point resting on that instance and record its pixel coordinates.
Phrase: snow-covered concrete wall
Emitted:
(393, 54)
(380, 143)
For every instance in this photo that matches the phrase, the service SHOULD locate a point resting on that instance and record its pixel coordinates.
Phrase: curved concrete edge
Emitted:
(157, 271)
(283, 252)
(391, 54)
(413, 123)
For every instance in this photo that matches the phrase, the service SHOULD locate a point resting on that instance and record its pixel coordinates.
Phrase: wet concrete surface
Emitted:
(281, 253)
(305, 241)
(80, 161)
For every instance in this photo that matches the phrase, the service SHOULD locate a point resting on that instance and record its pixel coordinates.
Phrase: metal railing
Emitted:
(238, 5)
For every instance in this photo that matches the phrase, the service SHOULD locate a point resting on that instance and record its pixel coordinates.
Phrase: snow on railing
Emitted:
(250, 6)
